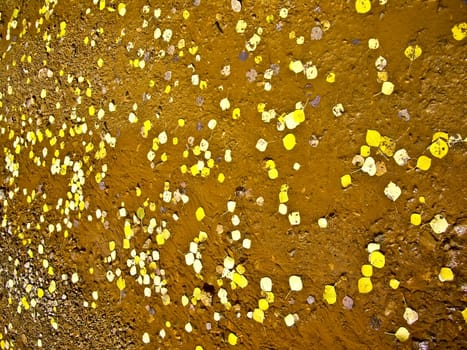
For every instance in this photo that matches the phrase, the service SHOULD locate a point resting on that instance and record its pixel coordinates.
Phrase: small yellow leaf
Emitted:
(423, 163)
(387, 88)
(289, 141)
(439, 148)
(412, 52)
(258, 315)
(232, 339)
(446, 274)
(464, 314)
(373, 138)
(362, 6)
(121, 283)
(330, 294)
(365, 285)
(387, 146)
(346, 181)
(367, 270)
(459, 31)
(415, 219)
(140, 213)
(200, 214)
(377, 259)
(394, 284)
(402, 334)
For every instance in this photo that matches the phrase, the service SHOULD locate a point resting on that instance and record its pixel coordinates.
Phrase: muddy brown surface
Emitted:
(99, 210)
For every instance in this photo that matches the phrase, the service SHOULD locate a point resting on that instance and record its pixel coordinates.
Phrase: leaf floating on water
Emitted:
(377, 259)
(446, 274)
(329, 294)
(412, 52)
(439, 148)
(365, 285)
(369, 166)
(402, 334)
(387, 146)
(373, 138)
(439, 224)
(410, 315)
(392, 191)
(121, 283)
(140, 213)
(459, 31)
(289, 142)
(295, 283)
(346, 181)
(362, 6)
(387, 88)
(423, 163)
(401, 157)
(200, 214)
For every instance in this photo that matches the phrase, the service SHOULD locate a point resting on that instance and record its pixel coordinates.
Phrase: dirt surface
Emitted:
(139, 210)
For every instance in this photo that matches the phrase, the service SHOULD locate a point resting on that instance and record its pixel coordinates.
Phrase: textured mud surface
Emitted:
(139, 209)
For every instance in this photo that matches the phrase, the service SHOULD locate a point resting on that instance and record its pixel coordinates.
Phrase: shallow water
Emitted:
(112, 185)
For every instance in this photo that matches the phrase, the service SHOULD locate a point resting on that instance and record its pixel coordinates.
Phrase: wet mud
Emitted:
(164, 162)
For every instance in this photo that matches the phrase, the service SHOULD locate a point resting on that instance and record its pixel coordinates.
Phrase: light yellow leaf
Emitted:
(402, 334)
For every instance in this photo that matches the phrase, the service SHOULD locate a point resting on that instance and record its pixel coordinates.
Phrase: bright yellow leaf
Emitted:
(121, 283)
(289, 141)
(439, 148)
(373, 138)
(329, 294)
(377, 259)
(200, 214)
(365, 285)
(402, 334)
(423, 163)
(346, 181)
(362, 6)
(412, 52)
(459, 31)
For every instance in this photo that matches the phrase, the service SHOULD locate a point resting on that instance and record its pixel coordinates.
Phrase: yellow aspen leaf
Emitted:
(289, 141)
(394, 284)
(446, 274)
(423, 163)
(200, 214)
(373, 138)
(258, 315)
(459, 31)
(367, 270)
(365, 285)
(232, 339)
(377, 259)
(362, 6)
(121, 283)
(415, 219)
(329, 294)
(412, 52)
(387, 146)
(402, 334)
(439, 148)
(346, 181)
